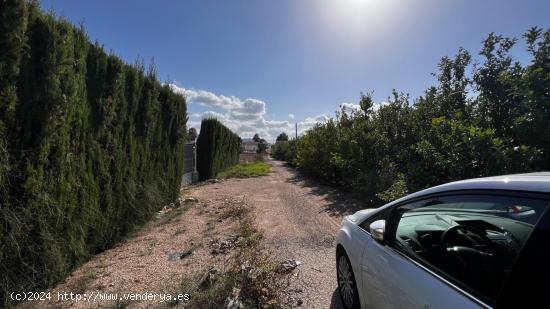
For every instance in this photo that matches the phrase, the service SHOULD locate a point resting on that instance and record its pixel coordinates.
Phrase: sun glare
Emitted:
(359, 20)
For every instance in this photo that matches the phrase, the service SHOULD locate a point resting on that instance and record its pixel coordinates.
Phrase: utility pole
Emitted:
(296, 130)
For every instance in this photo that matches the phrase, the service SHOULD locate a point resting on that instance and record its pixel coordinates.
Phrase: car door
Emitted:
(412, 269)
(529, 283)
(391, 280)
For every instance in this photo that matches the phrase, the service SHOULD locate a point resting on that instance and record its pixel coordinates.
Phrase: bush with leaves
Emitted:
(284, 151)
(493, 121)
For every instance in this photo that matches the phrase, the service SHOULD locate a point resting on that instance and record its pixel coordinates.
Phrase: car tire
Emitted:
(347, 286)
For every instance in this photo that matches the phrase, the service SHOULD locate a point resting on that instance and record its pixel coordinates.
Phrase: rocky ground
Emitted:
(298, 219)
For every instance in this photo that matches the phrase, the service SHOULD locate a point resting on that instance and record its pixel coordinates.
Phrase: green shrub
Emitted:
(90, 147)
(397, 190)
(218, 148)
(494, 121)
(284, 151)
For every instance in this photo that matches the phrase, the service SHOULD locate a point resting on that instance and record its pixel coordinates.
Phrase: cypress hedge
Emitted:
(90, 147)
(218, 148)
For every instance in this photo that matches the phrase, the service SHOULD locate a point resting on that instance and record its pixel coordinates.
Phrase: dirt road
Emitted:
(299, 219)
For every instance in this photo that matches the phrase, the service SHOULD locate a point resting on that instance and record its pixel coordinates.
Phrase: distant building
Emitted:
(249, 146)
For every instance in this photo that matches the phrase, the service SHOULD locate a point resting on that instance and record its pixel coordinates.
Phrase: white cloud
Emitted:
(251, 106)
(349, 107)
(206, 98)
(309, 123)
(318, 118)
(245, 117)
(208, 114)
(277, 124)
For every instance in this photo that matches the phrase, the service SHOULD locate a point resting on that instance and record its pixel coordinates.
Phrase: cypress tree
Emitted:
(96, 145)
(218, 148)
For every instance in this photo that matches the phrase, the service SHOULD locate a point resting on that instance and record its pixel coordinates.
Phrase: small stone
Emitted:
(289, 265)
(175, 256)
(234, 301)
(222, 247)
(245, 267)
(186, 254)
(209, 277)
(190, 199)
(213, 270)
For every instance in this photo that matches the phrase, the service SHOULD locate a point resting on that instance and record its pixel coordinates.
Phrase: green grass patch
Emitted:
(246, 170)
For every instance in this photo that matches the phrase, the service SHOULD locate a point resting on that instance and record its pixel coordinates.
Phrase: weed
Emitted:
(234, 209)
(179, 231)
(250, 277)
(171, 214)
(83, 281)
(246, 170)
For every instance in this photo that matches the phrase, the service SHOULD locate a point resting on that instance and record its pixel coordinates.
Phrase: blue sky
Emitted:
(253, 63)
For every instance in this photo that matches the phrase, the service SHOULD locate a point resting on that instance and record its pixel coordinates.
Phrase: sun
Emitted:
(356, 22)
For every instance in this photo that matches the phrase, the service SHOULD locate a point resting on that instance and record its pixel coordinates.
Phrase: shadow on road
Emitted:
(339, 203)
(335, 302)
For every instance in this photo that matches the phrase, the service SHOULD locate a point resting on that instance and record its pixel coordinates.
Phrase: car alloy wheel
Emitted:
(346, 283)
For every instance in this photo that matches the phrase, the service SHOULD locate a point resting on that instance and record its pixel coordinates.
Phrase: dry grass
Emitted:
(83, 282)
(249, 277)
(172, 213)
(234, 209)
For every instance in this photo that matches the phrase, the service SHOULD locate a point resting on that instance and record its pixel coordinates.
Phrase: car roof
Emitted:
(533, 182)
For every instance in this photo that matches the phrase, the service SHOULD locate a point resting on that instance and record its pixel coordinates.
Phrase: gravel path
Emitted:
(147, 261)
(299, 219)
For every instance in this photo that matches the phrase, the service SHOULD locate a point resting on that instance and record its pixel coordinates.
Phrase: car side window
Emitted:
(471, 240)
(381, 215)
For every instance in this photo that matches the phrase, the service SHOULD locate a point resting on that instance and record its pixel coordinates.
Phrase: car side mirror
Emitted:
(377, 229)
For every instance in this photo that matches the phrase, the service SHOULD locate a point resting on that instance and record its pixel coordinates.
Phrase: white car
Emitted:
(479, 243)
